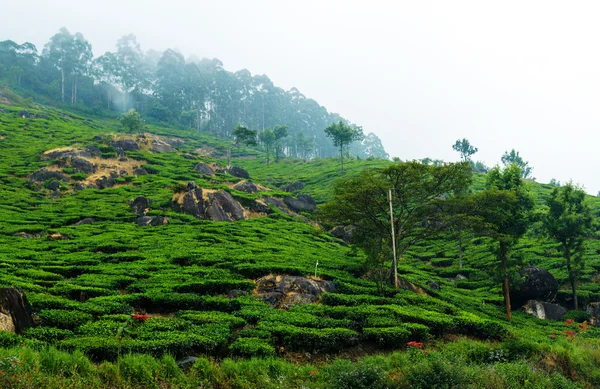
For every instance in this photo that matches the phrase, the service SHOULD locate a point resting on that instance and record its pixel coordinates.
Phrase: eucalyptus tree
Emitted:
(71, 55)
(465, 149)
(514, 157)
(568, 221)
(343, 135)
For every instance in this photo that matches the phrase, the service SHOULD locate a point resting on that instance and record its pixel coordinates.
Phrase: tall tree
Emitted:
(280, 133)
(508, 216)
(343, 135)
(514, 157)
(569, 221)
(82, 62)
(60, 52)
(244, 136)
(363, 203)
(130, 71)
(465, 149)
(267, 138)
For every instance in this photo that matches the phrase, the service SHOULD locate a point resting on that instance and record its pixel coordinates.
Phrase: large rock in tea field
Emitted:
(237, 171)
(229, 205)
(304, 203)
(45, 175)
(105, 182)
(294, 186)
(285, 291)
(543, 310)
(161, 147)
(204, 169)
(342, 232)
(538, 284)
(87, 220)
(82, 165)
(15, 311)
(140, 205)
(126, 144)
(246, 186)
(152, 221)
(593, 309)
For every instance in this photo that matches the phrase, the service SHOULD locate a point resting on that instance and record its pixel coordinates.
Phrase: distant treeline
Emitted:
(166, 87)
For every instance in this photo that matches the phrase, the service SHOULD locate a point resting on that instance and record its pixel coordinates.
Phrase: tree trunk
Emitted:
(342, 156)
(505, 285)
(571, 278)
(62, 84)
(460, 252)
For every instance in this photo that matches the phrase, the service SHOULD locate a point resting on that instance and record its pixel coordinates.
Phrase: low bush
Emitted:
(47, 334)
(343, 374)
(64, 319)
(251, 347)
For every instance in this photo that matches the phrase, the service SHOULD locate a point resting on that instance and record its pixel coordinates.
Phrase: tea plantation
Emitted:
(118, 299)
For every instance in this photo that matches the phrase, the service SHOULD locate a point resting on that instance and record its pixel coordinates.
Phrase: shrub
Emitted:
(578, 316)
(390, 337)
(8, 339)
(47, 334)
(64, 319)
(310, 339)
(344, 374)
(212, 317)
(60, 363)
(214, 286)
(251, 347)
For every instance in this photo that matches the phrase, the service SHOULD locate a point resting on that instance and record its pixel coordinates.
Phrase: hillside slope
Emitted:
(88, 253)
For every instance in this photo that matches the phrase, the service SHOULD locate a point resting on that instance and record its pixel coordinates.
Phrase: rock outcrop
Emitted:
(82, 165)
(342, 232)
(237, 171)
(87, 220)
(538, 284)
(543, 310)
(294, 186)
(126, 144)
(286, 291)
(594, 311)
(140, 205)
(161, 147)
(208, 205)
(105, 182)
(152, 221)
(304, 203)
(15, 311)
(246, 186)
(45, 175)
(204, 169)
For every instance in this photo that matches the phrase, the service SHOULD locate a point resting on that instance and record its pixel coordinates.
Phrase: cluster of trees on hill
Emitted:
(166, 87)
(393, 208)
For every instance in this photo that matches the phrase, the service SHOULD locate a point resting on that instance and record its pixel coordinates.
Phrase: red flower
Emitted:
(415, 344)
(569, 322)
(139, 316)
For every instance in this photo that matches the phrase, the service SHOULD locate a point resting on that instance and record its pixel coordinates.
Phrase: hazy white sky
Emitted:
(419, 74)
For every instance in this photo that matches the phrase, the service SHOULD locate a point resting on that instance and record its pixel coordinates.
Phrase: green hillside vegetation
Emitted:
(84, 282)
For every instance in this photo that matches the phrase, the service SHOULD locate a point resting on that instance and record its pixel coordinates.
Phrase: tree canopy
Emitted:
(132, 121)
(362, 203)
(514, 157)
(165, 86)
(465, 149)
(569, 221)
(343, 135)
